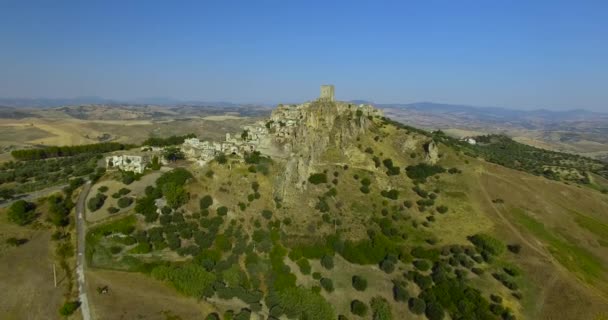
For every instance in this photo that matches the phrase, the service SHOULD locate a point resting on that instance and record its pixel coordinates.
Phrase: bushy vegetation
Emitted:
(69, 308)
(299, 302)
(359, 283)
(190, 279)
(34, 175)
(317, 178)
(505, 151)
(22, 212)
(59, 210)
(205, 202)
(327, 284)
(381, 309)
(67, 151)
(358, 307)
(125, 202)
(392, 170)
(487, 243)
(169, 141)
(422, 171)
(96, 202)
(391, 194)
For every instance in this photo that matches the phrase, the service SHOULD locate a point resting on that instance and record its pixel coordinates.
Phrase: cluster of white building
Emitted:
(204, 151)
(134, 163)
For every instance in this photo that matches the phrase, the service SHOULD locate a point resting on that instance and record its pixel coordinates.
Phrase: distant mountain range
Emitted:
(472, 112)
(498, 114)
(160, 101)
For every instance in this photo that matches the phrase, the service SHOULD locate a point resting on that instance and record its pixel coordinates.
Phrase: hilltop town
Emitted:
(274, 137)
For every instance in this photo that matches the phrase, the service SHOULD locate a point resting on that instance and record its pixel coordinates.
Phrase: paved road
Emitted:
(80, 260)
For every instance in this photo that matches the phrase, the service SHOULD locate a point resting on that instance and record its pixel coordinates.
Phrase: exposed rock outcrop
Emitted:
(431, 152)
(304, 132)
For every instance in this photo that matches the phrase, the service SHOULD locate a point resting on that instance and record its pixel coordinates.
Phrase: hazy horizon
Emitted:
(526, 56)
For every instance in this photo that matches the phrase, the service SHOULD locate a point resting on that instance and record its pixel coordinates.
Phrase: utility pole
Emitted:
(54, 275)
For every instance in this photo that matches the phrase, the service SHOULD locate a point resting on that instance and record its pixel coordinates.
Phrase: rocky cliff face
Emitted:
(432, 152)
(314, 127)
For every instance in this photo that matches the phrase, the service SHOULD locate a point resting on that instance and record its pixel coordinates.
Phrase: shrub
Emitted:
(222, 211)
(15, 242)
(381, 309)
(358, 307)
(515, 248)
(205, 202)
(442, 209)
(96, 202)
(267, 214)
(189, 279)
(68, 308)
(125, 202)
(487, 243)
(400, 293)
(327, 262)
(304, 266)
(422, 171)
(124, 191)
(417, 306)
(387, 265)
(317, 178)
(316, 275)
(496, 298)
(422, 265)
(407, 203)
(221, 158)
(22, 212)
(327, 284)
(212, 316)
(298, 302)
(391, 194)
(102, 189)
(434, 311)
(359, 283)
(113, 210)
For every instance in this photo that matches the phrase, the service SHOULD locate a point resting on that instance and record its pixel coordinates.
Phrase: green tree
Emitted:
(359, 283)
(327, 262)
(358, 307)
(381, 309)
(205, 202)
(173, 154)
(155, 164)
(175, 195)
(22, 212)
(58, 211)
(417, 306)
(327, 284)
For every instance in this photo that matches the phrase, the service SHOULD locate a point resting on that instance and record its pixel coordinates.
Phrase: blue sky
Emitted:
(517, 54)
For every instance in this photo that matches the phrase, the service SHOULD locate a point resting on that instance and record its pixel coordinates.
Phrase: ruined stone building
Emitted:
(134, 163)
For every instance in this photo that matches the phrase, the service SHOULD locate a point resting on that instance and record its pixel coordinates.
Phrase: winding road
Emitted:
(80, 259)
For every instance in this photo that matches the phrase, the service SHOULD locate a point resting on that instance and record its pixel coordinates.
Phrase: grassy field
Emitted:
(571, 256)
(26, 274)
(137, 296)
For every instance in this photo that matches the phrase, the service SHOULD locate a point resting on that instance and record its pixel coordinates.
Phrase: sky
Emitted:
(514, 54)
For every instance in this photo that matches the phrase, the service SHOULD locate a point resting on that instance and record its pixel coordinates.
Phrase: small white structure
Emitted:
(469, 140)
(125, 162)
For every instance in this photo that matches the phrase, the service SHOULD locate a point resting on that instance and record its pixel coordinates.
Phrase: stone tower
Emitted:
(327, 92)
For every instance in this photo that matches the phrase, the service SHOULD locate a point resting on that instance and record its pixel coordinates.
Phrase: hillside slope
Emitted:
(356, 215)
